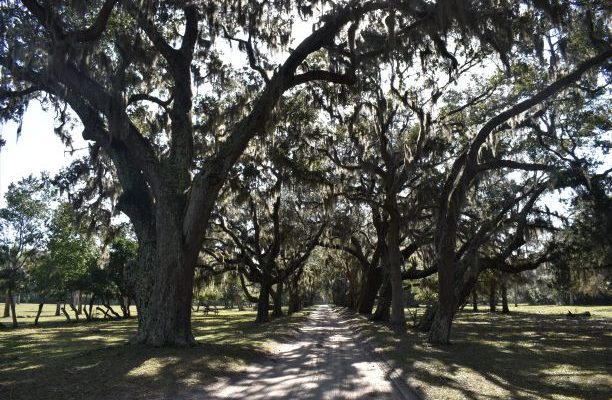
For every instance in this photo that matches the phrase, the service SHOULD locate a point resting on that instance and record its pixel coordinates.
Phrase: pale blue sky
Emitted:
(37, 149)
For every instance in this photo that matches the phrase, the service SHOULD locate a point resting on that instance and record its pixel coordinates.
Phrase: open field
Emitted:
(93, 360)
(533, 353)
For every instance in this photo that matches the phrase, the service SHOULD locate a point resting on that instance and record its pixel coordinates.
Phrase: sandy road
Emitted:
(324, 362)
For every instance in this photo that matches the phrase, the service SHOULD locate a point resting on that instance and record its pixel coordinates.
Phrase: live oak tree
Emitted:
(470, 161)
(467, 167)
(22, 233)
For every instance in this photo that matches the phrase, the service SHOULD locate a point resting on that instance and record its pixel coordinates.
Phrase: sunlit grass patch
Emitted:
(536, 353)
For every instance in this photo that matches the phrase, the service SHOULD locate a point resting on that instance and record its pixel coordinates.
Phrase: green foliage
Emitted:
(122, 256)
(22, 229)
(70, 255)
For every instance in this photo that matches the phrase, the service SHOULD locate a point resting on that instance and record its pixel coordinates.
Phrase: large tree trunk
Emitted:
(474, 300)
(295, 302)
(426, 320)
(163, 285)
(398, 316)
(492, 295)
(295, 297)
(383, 307)
(465, 278)
(263, 303)
(439, 332)
(13, 312)
(7, 304)
(58, 309)
(372, 280)
(277, 311)
(504, 295)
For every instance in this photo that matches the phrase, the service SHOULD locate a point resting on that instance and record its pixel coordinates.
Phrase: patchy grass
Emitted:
(596, 311)
(533, 353)
(94, 360)
(26, 313)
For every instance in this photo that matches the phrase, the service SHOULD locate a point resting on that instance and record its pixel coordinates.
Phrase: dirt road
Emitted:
(324, 362)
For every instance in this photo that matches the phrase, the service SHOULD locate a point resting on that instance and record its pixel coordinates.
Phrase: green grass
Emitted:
(93, 360)
(533, 353)
(26, 313)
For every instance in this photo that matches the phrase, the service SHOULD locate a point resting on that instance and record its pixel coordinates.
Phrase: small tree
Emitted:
(69, 253)
(122, 257)
(22, 231)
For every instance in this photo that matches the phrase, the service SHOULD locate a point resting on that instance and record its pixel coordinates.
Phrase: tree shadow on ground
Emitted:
(95, 361)
(322, 362)
(496, 356)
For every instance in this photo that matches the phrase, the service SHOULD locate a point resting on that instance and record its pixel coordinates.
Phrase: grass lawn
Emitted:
(533, 353)
(60, 360)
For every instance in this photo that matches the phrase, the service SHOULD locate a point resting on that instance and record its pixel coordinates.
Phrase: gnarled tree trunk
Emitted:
(277, 310)
(263, 303)
(163, 283)
(465, 278)
(372, 280)
(295, 302)
(398, 316)
(383, 307)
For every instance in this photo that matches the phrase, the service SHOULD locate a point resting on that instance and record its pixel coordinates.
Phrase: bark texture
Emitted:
(383, 307)
(263, 303)
(277, 310)
(372, 280)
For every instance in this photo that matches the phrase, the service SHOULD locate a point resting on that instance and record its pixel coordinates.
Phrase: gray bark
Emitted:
(383, 307)
(277, 311)
(398, 317)
(40, 308)
(263, 303)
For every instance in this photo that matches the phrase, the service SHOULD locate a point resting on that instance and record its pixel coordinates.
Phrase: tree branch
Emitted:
(95, 31)
(348, 78)
(7, 94)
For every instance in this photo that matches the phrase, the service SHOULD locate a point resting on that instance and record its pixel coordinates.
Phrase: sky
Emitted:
(37, 149)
